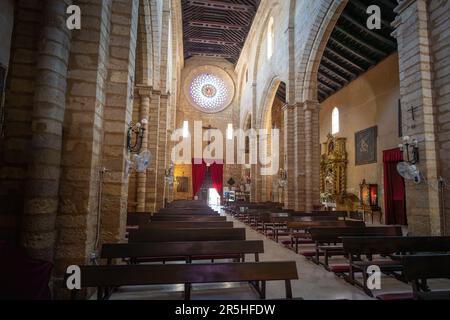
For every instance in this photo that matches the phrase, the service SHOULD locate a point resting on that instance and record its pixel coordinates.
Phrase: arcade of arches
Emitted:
(67, 179)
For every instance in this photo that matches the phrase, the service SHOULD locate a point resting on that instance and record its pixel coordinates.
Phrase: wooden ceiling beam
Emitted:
(335, 74)
(325, 86)
(210, 54)
(327, 78)
(214, 41)
(215, 25)
(352, 51)
(345, 59)
(219, 5)
(338, 66)
(361, 42)
(375, 35)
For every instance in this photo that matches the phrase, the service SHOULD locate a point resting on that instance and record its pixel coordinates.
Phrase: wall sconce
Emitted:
(135, 136)
(411, 147)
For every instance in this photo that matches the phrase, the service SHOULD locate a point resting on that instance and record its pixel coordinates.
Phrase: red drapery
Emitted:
(198, 175)
(394, 188)
(216, 170)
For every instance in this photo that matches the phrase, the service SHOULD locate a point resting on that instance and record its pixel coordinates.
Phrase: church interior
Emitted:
(225, 149)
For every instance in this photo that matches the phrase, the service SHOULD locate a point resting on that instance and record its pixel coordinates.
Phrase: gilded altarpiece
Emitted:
(333, 168)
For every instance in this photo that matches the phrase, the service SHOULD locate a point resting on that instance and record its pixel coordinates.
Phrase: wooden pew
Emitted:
(103, 277)
(389, 251)
(279, 223)
(299, 230)
(324, 236)
(180, 235)
(189, 218)
(181, 225)
(420, 268)
(187, 213)
(182, 251)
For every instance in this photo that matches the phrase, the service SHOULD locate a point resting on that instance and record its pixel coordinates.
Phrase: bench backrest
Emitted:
(305, 225)
(189, 218)
(180, 249)
(417, 267)
(389, 245)
(180, 235)
(335, 234)
(185, 225)
(187, 213)
(133, 275)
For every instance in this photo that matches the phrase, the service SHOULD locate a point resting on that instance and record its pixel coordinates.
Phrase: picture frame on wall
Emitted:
(366, 146)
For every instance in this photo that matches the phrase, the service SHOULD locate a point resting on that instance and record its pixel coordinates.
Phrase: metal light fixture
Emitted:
(135, 136)
(411, 147)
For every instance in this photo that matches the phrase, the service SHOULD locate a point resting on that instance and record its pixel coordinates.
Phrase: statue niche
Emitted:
(333, 169)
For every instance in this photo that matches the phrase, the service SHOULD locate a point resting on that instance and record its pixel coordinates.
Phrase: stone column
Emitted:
(153, 148)
(118, 115)
(163, 150)
(41, 194)
(312, 154)
(290, 157)
(299, 169)
(144, 113)
(416, 91)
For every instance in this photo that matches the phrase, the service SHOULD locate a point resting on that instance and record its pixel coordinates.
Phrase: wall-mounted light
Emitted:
(136, 132)
(230, 131)
(185, 129)
(411, 147)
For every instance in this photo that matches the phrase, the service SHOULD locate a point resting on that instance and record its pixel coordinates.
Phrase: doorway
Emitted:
(213, 197)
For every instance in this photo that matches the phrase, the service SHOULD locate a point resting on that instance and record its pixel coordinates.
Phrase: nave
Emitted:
(316, 280)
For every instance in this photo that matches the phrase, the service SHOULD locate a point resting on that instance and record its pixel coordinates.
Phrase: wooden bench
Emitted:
(189, 218)
(391, 249)
(187, 213)
(180, 235)
(181, 225)
(182, 251)
(105, 277)
(299, 230)
(324, 236)
(420, 268)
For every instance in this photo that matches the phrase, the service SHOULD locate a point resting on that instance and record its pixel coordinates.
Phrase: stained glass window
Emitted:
(209, 92)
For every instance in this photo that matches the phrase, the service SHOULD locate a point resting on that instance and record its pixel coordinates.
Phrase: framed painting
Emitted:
(366, 146)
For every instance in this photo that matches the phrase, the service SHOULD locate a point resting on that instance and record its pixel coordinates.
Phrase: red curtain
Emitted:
(216, 170)
(198, 175)
(394, 188)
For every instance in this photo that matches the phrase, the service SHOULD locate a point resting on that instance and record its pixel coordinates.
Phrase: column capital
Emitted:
(143, 91)
(311, 105)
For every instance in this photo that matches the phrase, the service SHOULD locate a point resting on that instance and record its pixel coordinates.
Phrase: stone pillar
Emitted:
(312, 154)
(290, 157)
(80, 182)
(299, 168)
(118, 116)
(163, 151)
(153, 148)
(19, 101)
(144, 113)
(416, 90)
(41, 193)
